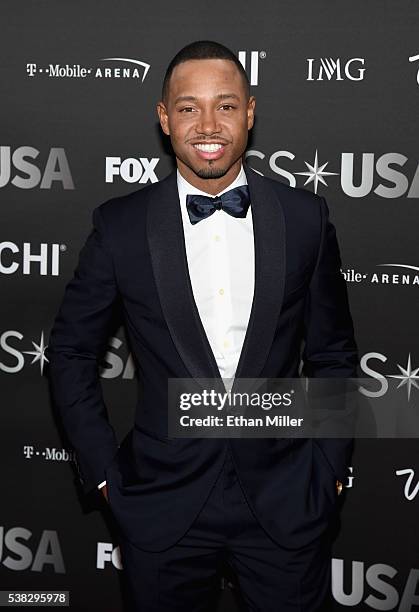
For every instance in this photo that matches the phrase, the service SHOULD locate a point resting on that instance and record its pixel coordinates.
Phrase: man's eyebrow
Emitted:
(228, 95)
(185, 99)
(221, 96)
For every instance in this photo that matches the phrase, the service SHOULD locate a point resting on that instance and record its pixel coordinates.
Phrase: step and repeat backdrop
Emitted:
(337, 90)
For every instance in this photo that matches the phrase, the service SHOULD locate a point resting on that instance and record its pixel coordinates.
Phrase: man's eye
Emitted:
(186, 109)
(227, 106)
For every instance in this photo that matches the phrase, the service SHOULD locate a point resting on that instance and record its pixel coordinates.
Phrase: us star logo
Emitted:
(316, 173)
(39, 353)
(408, 377)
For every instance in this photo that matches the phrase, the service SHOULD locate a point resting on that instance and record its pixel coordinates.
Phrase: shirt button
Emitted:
(221, 291)
(226, 344)
(217, 238)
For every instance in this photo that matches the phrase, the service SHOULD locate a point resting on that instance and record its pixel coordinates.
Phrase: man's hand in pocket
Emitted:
(104, 490)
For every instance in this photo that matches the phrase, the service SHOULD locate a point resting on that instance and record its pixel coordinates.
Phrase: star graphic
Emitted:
(407, 377)
(39, 353)
(316, 173)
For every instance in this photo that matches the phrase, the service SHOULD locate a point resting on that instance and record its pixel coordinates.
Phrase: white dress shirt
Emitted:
(220, 254)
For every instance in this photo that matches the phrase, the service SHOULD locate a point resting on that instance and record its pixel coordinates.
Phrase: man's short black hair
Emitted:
(199, 50)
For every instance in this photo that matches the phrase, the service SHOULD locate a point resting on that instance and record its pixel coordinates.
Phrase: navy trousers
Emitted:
(186, 577)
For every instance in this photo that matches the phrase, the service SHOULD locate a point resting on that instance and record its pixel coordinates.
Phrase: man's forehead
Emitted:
(198, 77)
(201, 70)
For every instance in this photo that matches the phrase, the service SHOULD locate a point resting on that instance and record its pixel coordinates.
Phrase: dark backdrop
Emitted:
(337, 91)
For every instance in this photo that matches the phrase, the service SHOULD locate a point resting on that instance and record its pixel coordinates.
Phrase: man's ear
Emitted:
(251, 112)
(163, 118)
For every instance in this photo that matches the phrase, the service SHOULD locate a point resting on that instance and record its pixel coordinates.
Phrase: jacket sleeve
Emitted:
(77, 339)
(330, 349)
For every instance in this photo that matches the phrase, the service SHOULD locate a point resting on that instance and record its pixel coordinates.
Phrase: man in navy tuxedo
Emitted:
(221, 273)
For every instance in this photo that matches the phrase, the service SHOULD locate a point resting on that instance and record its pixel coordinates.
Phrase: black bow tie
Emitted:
(234, 202)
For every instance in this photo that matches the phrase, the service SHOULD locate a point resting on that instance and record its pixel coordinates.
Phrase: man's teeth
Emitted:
(208, 148)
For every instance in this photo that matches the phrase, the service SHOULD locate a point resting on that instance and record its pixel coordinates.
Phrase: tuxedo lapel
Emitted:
(168, 255)
(269, 246)
(170, 266)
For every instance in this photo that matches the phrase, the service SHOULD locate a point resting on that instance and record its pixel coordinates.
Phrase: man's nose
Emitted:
(207, 123)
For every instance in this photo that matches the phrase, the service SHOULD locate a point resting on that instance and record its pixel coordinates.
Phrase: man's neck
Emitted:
(211, 186)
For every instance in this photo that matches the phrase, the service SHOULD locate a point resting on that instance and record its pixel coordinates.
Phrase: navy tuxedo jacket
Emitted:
(135, 255)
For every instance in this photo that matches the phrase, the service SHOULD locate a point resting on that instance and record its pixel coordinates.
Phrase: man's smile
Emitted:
(211, 150)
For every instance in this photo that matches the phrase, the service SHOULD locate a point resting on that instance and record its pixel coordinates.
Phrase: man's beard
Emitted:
(210, 172)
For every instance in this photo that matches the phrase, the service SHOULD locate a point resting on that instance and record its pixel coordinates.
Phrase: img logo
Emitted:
(328, 69)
